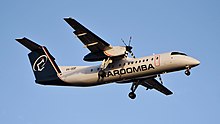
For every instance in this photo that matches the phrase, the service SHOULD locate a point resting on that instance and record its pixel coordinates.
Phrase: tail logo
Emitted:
(40, 63)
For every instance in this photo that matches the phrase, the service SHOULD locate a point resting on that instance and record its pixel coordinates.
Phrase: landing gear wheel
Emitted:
(187, 72)
(102, 73)
(132, 95)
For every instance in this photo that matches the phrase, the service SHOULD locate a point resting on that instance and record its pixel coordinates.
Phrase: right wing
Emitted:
(89, 39)
(150, 83)
(153, 83)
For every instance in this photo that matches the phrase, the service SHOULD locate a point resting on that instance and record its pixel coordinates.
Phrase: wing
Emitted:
(89, 39)
(149, 82)
(153, 83)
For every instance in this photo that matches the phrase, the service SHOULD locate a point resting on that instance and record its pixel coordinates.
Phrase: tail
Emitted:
(43, 63)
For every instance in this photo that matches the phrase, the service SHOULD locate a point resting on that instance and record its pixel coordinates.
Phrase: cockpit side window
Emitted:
(178, 53)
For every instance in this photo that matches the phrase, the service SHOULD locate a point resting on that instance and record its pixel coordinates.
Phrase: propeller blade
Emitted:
(132, 54)
(123, 42)
(129, 43)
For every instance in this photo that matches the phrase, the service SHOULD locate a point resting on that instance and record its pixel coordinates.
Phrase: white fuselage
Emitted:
(126, 69)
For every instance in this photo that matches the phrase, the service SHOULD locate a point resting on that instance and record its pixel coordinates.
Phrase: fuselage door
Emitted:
(157, 60)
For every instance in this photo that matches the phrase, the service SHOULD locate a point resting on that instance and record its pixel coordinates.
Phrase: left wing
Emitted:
(90, 40)
(153, 83)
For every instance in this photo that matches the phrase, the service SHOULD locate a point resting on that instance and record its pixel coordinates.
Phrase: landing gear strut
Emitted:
(160, 78)
(187, 72)
(104, 65)
(134, 86)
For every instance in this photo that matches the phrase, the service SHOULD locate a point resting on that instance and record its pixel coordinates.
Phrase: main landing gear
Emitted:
(132, 95)
(104, 65)
(134, 86)
(187, 72)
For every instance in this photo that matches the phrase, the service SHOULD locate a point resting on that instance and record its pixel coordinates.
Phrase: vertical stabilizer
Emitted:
(43, 63)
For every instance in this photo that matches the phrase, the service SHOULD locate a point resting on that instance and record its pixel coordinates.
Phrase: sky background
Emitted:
(156, 26)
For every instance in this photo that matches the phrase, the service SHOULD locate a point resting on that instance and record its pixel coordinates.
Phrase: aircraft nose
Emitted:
(194, 62)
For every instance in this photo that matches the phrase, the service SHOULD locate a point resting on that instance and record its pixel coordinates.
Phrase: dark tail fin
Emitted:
(43, 63)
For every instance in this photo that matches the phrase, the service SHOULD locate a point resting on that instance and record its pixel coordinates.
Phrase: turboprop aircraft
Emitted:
(116, 66)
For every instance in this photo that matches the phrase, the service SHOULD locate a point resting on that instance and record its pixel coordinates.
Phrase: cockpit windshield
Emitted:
(178, 53)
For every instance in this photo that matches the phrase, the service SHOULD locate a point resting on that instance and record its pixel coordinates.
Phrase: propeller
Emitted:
(128, 47)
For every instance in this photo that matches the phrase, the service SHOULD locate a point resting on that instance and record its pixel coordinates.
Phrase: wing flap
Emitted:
(153, 83)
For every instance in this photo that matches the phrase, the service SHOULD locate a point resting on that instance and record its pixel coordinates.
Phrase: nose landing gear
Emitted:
(187, 72)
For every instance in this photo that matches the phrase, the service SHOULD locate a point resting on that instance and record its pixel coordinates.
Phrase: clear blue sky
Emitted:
(191, 26)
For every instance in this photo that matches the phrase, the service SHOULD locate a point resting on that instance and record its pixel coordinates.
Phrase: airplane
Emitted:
(116, 65)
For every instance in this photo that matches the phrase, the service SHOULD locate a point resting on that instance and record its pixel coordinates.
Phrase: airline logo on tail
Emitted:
(40, 63)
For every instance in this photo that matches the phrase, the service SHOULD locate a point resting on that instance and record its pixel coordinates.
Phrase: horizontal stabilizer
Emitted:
(29, 44)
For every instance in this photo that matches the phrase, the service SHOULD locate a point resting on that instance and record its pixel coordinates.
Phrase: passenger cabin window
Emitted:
(178, 53)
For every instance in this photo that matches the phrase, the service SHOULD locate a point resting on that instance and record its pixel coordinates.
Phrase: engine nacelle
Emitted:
(92, 57)
(112, 52)
(115, 51)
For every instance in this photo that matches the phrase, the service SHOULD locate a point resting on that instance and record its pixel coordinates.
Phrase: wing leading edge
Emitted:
(89, 39)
